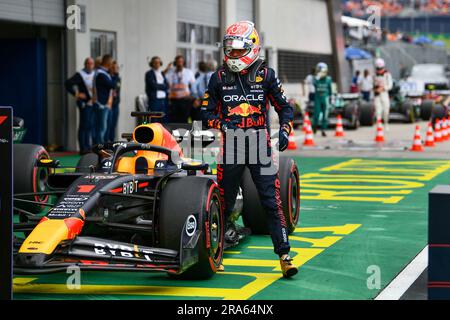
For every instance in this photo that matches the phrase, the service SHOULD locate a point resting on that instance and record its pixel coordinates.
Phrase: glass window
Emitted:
(103, 42)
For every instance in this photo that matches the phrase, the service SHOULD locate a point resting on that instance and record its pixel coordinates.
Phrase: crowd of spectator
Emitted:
(359, 8)
(96, 89)
(175, 91)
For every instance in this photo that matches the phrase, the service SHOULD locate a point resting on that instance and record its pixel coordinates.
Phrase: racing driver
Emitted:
(237, 100)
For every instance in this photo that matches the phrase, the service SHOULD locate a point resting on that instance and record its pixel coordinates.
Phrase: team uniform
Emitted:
(322, 96)
(382, 84)
(242, 100)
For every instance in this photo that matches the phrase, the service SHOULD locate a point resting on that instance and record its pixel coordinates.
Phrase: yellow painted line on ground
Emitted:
(324, 242)
(302, 256)
(254, 283)
(260, 282)
(340, 230)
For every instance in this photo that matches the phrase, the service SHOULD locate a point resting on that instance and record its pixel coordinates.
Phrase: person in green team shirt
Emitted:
(323, 91)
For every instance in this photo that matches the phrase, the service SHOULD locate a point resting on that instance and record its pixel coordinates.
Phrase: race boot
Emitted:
(231, 235)
(287, 267)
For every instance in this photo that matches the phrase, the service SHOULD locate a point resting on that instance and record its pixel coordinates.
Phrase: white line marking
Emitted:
(406, 278)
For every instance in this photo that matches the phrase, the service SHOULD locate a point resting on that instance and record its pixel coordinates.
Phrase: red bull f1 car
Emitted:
(136, 205)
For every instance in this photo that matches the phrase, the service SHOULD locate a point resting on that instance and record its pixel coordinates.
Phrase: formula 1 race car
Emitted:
(353, 110)
(433, 105)
(403, 108)
(136, 205)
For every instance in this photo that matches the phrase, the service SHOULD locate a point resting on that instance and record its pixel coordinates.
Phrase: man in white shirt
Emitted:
(365, 84)
(180, 81)
(382, 84)
(309, 81)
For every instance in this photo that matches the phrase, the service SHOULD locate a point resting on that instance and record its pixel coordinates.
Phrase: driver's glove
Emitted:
(283, 140)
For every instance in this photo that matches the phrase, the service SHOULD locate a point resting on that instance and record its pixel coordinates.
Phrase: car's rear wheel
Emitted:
(253, 213)
(407, 108)
(28, 178)
(367, 114)
(351, 113)
(426, 109)
(87, 161)
(198, 199)
(439, 112)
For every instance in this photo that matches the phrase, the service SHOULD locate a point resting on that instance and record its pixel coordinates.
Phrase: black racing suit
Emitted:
(242, 99)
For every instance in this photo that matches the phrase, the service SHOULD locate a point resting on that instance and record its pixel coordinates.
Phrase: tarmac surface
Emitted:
(361, 143)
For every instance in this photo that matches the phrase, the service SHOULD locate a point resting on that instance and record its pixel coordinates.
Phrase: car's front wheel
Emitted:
(195, 201)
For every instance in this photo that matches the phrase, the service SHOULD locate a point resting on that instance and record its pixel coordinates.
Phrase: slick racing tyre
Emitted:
(367, 114)
(351, 113)
(439, 112)
(86, 161)
(28, 178)
(254, 215)
(407, 108)
(197, 200)
(426, 108)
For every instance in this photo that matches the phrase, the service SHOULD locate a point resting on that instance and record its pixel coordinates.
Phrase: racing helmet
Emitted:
(379, 63)
(241, 45)
(322, 69)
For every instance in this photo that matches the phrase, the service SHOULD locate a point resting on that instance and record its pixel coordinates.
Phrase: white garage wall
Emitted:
(300, 25)
(143, 29)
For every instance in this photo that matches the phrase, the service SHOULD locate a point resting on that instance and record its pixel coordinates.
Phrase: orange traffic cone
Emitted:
(430, 136)
(380, 135)
(417, 145)
(292, 145)
(444, 129)
(339, 127)
(309, 140)
(306, 122)
(437, 131)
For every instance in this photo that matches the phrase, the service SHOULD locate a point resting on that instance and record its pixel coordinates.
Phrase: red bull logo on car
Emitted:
(244, 110)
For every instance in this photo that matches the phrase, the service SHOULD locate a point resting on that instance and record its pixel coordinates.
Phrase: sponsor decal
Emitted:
(244, 110)
(85, 188)
(99, 177)
(242, 98)
(229, 88)
(117, 250)
(191, 225)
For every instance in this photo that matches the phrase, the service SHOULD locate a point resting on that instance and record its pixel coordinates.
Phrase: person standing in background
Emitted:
(113, 115)
(323, 84)
(354, 87)
(157, 88)
(365, 83)
(382, 85)
(180, 81)
(80, 86)
(200, 86)
(103, 88)
(309, 81)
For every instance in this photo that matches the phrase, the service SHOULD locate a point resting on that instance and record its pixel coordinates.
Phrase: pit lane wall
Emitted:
(145, 28)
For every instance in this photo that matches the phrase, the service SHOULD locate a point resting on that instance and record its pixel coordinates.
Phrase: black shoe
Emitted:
(314, 130)
(231, 233)
(324, 134)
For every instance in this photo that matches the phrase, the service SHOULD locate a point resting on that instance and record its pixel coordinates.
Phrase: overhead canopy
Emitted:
(352, 53)
(354, 22)
(423, 40)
